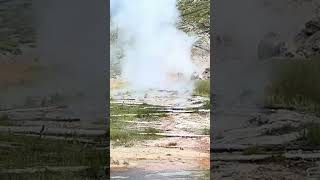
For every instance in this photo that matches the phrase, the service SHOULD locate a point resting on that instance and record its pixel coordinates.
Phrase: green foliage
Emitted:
(195, 13)
(47, 175)
(284, 129)
(141, 110)
(295, 85)
(206, 131)
(126, 136)
(5, 120)
(43, 152)
(202, 88)
(4, 117)
(311, 134)
(150, 130)
(253, 150)
(121, 131)
(207, 104)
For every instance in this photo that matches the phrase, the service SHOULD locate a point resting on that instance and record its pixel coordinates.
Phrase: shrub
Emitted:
(295, 84)
(202, 88)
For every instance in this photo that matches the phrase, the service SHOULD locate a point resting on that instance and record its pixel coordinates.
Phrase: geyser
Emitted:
(156, 54)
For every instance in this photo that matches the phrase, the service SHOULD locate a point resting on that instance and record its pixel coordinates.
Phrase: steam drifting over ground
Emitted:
(156, 55)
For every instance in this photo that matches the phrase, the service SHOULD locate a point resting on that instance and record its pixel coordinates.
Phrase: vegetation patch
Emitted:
(311, 134)
(295, 85)
(4, 120)
(205, 131)
(127, 137)
(285, 129)
(152, 131)
(196, 13)
(123, 130)
(47, 175)
(172, 144)
(37, 152)
(202, 88)
(141, 110)
(206, 104)
(253, 150)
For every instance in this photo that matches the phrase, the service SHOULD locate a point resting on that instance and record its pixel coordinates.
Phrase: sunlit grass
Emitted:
(295, 85)
(202, 88)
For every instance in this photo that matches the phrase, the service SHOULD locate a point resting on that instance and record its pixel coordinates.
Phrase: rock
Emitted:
(311, 46)
(195, 76)
(271, 46)
(306, 43)
(206, 74)
(312, 26)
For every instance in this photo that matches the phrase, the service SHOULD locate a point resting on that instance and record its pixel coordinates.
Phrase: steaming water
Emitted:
(154, 50)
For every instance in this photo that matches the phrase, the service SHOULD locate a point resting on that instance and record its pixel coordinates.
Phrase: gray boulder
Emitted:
(271, 46)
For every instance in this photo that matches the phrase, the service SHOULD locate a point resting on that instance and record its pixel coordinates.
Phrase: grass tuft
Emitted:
(202, 88)
(253, 150)
(311, 134)
(295, 85)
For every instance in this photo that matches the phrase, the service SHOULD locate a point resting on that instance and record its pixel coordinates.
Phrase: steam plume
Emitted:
(154, 49)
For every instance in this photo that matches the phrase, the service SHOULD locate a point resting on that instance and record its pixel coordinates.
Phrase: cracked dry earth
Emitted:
(181, 152)
(266, 145)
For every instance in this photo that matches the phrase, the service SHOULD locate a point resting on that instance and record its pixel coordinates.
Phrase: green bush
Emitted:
(202, 88)
(311, 134)
(295, 84)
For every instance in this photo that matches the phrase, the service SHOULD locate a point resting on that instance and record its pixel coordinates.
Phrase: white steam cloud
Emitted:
(155, 51)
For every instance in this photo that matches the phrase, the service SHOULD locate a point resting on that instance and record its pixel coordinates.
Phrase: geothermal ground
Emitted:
(175, 142)
(269, 144)
(161, 134)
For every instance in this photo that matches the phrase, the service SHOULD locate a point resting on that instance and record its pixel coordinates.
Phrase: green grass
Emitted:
(253, 150)
(151, 131)
(295, 85)
(285, 129)
(42, 176)
(196, 13)
(5, 120)
(202, 88)
(122, 130)
(311, 134)
(125, 136)
(207, 104)
(206, 131)
(33, 151)
(4, 117)
(118, 109)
